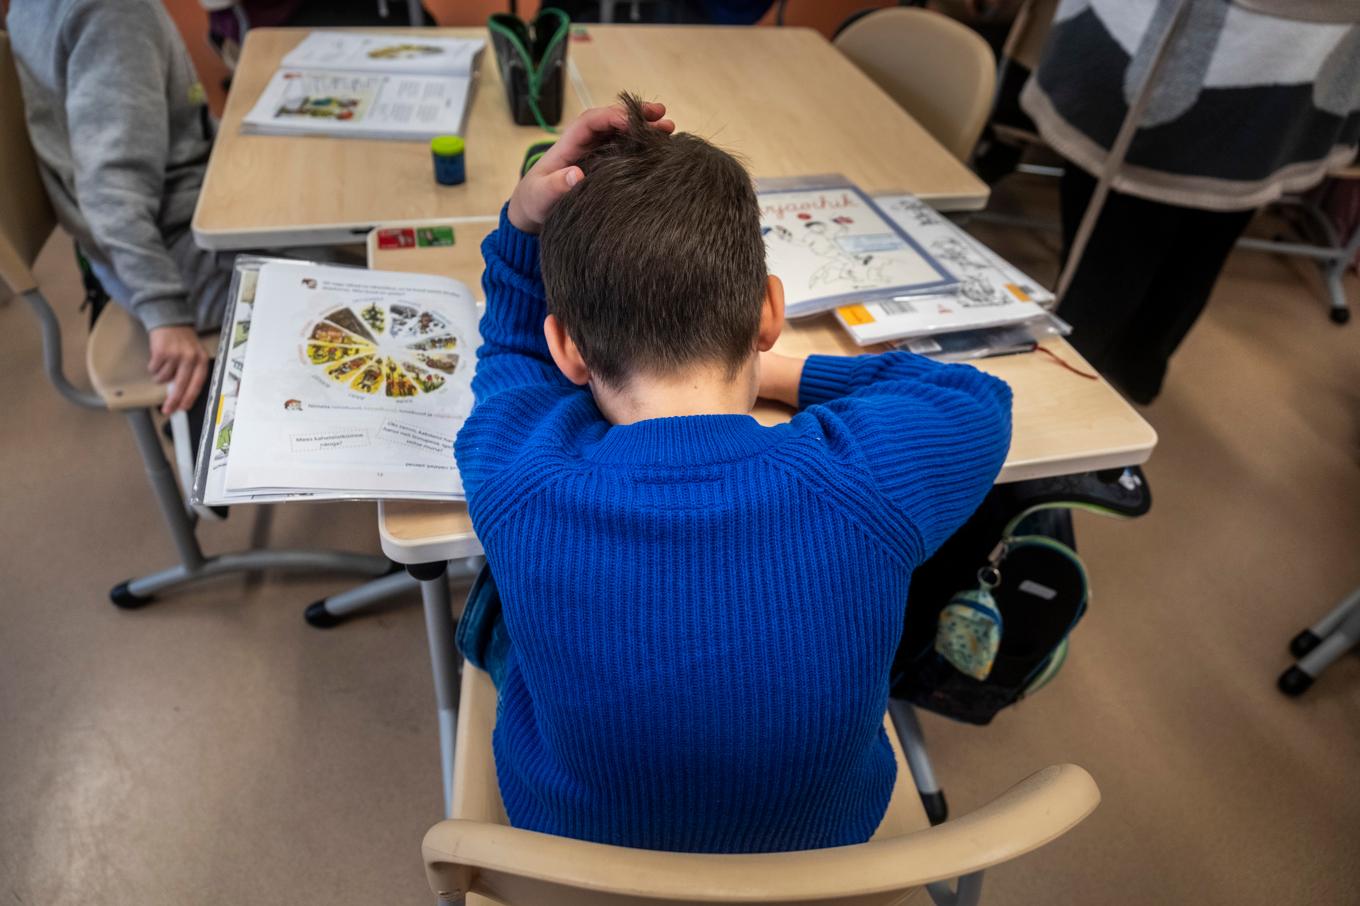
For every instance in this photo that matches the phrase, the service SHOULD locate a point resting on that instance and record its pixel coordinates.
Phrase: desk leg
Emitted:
(444, 661)
(914, 748)
(330, 612)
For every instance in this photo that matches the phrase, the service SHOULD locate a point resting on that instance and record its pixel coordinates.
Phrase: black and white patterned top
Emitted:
(1254, 99)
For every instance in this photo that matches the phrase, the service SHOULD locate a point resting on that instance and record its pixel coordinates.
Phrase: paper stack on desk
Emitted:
(338, 383)
(990, 292)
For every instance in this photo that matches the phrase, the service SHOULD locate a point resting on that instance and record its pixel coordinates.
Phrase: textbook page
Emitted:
(394, 54)
(831, 245)
(360, 105)
(210, 473)
(355, 382)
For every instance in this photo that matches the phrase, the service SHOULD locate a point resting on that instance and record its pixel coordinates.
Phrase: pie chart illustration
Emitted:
(380, 348)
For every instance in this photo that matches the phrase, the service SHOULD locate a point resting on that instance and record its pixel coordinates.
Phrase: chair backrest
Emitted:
(476, 858)
(939, 70)
(26, 217)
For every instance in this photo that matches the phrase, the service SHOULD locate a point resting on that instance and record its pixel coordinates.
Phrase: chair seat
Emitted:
(476, 793)
(116, 359)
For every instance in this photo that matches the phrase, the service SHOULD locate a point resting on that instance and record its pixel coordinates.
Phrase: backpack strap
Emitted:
(1121, 493)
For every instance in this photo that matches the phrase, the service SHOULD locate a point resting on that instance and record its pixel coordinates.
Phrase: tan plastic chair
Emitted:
(116, 358)
(938, 70)
(475, 858)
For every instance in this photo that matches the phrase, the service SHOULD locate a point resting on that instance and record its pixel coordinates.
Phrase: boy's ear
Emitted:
(771, 314)
(564, 352)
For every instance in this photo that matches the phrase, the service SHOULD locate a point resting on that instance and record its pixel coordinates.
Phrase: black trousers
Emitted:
(1145, 277)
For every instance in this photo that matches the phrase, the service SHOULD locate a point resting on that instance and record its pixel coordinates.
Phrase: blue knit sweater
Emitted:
(702, 611)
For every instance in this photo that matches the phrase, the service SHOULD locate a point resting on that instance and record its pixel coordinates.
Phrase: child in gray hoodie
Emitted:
(122, 131)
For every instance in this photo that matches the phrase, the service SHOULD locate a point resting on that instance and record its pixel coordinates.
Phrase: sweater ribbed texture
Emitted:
(703, 611)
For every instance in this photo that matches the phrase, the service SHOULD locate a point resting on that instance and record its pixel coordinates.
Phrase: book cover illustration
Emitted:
(830, 244)
(328, 96)
(990, 291)
(985, 278)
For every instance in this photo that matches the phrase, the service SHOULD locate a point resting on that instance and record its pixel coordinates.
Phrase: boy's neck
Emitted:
(697, 391)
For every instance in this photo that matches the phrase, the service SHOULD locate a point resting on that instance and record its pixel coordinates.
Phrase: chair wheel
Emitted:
(937, 810)
(1340, 315)
(1303, 643)
(122, 596)
(317, 615)
(1294, 682)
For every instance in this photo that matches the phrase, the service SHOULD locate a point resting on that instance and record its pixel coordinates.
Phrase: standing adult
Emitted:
(1254, 98)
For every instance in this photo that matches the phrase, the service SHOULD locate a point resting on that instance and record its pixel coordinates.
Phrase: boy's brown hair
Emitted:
(655, 260)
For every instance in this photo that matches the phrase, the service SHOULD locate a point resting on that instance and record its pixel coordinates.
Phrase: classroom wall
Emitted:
(823, 15)
(192, 22)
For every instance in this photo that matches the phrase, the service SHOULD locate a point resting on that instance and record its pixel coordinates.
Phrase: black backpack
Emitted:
(1019, 544)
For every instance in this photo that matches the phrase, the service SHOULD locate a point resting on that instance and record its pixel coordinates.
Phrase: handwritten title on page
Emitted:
(822, 201)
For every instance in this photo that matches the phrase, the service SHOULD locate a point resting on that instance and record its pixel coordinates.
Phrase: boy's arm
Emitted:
(934, 436)
(514, 352)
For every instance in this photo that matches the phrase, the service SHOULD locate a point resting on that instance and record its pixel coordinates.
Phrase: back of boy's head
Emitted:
(655, 261)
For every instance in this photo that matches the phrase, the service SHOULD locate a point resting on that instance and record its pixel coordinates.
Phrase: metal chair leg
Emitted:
(1340, 311)
(967, 891)
(444, 662)
(1319, 646)
(332, 611)
(193, 564)
(50, 328)
(914, 748)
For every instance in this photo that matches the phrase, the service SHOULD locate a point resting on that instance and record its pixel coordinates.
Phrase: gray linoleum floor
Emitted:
(213, 748)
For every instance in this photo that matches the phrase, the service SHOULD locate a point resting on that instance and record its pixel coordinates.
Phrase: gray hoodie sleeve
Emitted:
(116, 76)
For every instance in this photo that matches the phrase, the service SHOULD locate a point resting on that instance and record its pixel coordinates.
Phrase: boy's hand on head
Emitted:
(555, 172)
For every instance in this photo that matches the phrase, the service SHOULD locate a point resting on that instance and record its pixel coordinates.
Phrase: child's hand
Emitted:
(177, 357)
(554, 174)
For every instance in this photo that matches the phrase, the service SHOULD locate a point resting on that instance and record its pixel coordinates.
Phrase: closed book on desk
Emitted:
(338, 383)
(369, 86)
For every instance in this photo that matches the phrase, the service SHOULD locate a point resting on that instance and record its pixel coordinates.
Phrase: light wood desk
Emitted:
(783, 97)
(1063, 423)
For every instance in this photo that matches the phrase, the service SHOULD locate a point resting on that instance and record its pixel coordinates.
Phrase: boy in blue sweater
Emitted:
(701, 612)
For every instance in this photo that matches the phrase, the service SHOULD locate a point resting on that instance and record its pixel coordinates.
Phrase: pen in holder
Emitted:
(532, 60)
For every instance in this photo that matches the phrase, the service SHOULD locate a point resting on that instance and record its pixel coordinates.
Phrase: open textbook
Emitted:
(831, 245)
(990, 291)
(369, 86)
(338, 383)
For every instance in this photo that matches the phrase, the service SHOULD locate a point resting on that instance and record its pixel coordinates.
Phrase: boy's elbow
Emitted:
(993, 422)
(990, 390)
(995, 399)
